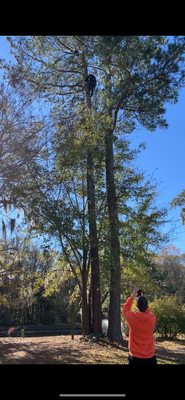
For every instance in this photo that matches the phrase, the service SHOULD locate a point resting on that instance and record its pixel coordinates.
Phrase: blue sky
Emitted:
(164, 158)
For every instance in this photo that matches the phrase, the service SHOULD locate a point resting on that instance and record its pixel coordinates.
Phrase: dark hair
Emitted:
(142, 303)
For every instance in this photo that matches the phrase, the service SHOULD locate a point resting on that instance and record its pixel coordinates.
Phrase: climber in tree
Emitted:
(90, 84)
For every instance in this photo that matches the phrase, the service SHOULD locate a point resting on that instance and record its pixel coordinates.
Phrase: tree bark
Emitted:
(94, 257)
(114, 329)
(85, 307)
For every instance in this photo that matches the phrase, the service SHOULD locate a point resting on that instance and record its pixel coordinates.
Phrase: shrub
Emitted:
(170, 316)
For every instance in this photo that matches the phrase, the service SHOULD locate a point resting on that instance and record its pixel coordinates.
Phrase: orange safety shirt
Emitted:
(141, 343)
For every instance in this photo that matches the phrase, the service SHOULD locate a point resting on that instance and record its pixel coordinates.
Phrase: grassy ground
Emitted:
(64, 350)
(171, 351)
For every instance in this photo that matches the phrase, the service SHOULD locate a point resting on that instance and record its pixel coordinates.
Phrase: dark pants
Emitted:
(142, 361)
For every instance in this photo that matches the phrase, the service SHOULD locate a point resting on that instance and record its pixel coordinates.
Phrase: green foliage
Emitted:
(26, 293)
(140, 73)
(146, 276)
(171, 265)
(170, 316)
(179, 201)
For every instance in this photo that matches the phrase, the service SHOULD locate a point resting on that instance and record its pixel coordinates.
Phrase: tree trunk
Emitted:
(94, 257)
(95, 273)
(85, 306)
(114, 329)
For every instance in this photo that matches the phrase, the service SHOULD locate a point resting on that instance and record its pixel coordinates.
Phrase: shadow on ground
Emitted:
(60, 350)
(44, 352)
(170, 352)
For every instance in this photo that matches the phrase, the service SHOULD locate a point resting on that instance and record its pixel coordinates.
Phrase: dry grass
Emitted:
(171, 351)
(64, 350)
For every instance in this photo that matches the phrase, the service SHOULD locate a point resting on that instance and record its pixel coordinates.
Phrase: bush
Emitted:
(170, 316)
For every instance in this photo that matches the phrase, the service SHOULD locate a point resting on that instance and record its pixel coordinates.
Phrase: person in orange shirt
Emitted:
(141, 323)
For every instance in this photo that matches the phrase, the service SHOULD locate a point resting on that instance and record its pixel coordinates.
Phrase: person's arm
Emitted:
(128, 304)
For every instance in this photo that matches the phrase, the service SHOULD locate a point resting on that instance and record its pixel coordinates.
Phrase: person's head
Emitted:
(142, 303)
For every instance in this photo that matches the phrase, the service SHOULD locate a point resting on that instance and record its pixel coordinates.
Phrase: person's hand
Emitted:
(134, 294)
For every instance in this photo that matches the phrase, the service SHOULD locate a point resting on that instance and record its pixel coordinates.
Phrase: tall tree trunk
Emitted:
(86, 326)
(94, 257)
(85, 311)
(114, 329)
(95, 273)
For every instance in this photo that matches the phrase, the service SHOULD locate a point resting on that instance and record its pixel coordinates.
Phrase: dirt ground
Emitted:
(64, 350)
